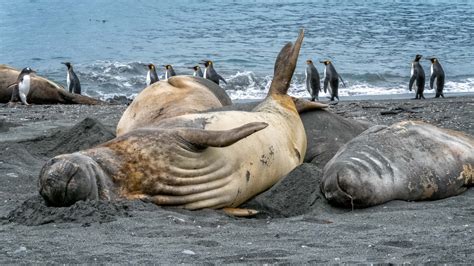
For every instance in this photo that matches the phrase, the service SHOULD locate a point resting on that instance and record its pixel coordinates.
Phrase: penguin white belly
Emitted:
(24, 88)
(166, 75)
(148, 78)
(68, 81)
(194, 74)
(431, 69)
(324, 73)
(205, 73)
(412, 70)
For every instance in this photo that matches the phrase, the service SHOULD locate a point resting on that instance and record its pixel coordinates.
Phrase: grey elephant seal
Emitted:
(42, 90)
(194, 161)
(175, 96)
(407, 161)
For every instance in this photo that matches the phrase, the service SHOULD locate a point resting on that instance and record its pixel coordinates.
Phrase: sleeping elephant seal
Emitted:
(406, 161)
(175, 96)
(194, 161)
(42, 91)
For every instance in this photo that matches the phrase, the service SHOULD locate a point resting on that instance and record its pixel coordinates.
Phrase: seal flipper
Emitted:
(303, 105)
(285, 65)
(220, 138)
(239, 212)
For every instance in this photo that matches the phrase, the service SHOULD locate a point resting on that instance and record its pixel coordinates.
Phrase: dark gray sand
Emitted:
(295, 225)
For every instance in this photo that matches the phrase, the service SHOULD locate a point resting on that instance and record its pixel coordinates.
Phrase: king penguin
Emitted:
(151, 76)
(169, 71)
(313, 84)
(418, 74)
(197, 71)
(437, 73)
(23, 85)
(331, 78)
(72, 80)
(210, 73)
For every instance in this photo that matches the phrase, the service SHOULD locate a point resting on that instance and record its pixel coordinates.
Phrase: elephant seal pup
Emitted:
(175, 96)
(42, 91)
(409, 160)
(194, 161)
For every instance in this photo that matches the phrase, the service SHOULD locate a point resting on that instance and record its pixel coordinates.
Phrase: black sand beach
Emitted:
(296, 224)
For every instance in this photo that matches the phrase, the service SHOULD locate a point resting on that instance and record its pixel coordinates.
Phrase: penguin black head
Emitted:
(68, 65)
(27, 71)
(418, 57)
(167, 66)
(196, 68)
(206, 63)
(325, 62)
(151, 66)
(309, 61)
(433, 59)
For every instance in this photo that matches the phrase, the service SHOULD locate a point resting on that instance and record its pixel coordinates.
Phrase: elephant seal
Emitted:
(175, 96)
(409, 160)
(42, 91)
(194, 161)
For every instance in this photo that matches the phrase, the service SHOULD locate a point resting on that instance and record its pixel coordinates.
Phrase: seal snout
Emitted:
(67, 179)
(338, 186)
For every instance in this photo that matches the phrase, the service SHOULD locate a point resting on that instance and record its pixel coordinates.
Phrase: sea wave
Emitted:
(106, 79)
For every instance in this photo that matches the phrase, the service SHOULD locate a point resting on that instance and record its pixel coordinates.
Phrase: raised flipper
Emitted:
(285, 66)
(220, 138)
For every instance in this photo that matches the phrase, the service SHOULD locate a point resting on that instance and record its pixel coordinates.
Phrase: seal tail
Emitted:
(220, 138)
(285, 65)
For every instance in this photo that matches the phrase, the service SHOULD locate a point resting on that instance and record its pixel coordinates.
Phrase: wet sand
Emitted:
(296, 224)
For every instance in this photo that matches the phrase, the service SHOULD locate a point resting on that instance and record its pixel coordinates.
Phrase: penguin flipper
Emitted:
(432, 79)
(342, 82)
(412, 80)
(326, 82)
(221, 78)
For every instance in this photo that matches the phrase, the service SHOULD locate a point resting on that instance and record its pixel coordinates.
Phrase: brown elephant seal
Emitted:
(194, 161)
(175, 96)
(42, 91)
(407, 161)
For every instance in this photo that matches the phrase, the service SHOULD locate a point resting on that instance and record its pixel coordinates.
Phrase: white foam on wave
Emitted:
(252, 88)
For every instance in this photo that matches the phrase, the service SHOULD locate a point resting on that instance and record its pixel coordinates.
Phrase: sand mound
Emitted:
(85, 134)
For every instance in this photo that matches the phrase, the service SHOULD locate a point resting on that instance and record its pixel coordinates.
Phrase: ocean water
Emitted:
(371, 43)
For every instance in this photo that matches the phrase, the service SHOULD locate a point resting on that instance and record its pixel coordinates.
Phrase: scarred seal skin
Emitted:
(194, 161)
(410, 160)
(42, 91)
(175, 96)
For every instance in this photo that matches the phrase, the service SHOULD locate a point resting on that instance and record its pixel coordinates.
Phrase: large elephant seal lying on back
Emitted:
(175, 96)
(406, 161)
(42, 91)
(205, 160)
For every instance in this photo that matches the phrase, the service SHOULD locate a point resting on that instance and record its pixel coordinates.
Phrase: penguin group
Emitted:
(209, 72)
(331, 79)
(417, 77)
